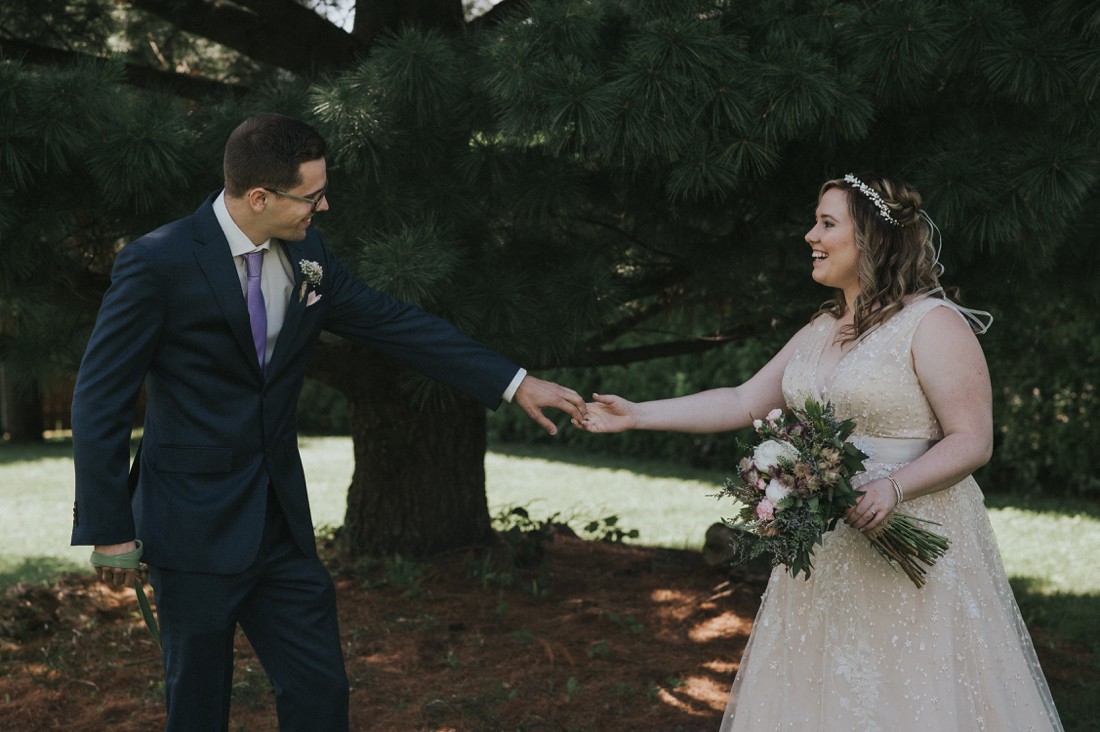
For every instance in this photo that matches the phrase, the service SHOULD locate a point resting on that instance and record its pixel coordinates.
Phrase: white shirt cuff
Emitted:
(511, 390)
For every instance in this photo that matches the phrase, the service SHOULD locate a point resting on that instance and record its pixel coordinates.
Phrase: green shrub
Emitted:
(1045, 365)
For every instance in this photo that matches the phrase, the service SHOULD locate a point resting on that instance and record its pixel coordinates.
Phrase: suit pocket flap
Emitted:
(194, 459)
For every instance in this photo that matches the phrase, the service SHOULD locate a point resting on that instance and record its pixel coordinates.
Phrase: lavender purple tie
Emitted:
(257, 314)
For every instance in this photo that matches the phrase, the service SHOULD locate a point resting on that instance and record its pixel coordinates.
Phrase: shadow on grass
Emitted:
(600, 461)
(35, 570)
(1072, 617)
(1063, 626)
(12, 453)
(1053, 505)
(26, 452)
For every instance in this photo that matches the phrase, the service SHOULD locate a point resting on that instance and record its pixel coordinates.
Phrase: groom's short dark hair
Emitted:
(266, 151)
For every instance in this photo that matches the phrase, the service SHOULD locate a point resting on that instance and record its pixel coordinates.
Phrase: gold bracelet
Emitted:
(897, 489)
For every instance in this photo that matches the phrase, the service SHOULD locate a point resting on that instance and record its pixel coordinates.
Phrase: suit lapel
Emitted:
(216, 261)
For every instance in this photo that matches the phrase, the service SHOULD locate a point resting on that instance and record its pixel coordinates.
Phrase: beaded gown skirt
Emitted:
(857, 646)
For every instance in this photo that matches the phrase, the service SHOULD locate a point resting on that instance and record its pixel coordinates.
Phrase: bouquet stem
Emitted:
(908, 545)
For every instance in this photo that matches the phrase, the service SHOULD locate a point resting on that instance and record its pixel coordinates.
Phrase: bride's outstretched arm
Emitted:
(714, 410)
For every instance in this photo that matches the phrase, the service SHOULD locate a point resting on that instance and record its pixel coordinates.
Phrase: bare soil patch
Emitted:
(595, 636)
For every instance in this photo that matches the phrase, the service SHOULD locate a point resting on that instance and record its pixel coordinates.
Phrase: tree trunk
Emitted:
(281, 33)
(21, 410)
(419, 482)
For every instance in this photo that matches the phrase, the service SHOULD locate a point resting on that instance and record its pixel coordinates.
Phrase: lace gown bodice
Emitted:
(873, 383)
(857, 646)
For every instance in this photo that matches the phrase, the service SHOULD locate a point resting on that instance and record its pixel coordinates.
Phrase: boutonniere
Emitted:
(311, 277)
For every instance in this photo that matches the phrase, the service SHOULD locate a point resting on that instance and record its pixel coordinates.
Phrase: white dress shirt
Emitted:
(276, 277)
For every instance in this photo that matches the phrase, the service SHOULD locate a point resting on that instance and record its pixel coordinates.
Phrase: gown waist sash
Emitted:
(892, 450)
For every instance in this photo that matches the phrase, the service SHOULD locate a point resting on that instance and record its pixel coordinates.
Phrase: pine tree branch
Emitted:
(634, 354)
(146, 77)
(628, 323)
(657, 284)
(640, 243)
(276, 32)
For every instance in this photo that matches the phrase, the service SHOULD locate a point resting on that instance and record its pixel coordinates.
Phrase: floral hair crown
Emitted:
(872, 194)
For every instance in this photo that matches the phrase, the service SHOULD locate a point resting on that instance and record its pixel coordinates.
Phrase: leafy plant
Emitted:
(599, 649)
(607, 529)
(627, 622)
(572, 688)
(623, 690)
(525, 537)
(518, 559)
(522, 636)
(398, 572)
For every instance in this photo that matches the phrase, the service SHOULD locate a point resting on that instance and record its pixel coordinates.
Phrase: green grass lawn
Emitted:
(1049, 545)
(1044, 541)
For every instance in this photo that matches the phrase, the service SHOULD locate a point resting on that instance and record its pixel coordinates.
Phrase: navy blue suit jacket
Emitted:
(218, 431)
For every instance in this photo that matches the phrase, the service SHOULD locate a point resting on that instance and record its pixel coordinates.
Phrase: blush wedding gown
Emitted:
(857, 646)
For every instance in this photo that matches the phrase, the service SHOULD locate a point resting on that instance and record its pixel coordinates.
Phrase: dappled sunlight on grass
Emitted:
(722, 668)
(670, 597)
(695, 696)
(721, 626)
(14, 453)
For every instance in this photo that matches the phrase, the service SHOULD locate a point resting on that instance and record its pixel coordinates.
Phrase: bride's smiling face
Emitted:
(832, 243)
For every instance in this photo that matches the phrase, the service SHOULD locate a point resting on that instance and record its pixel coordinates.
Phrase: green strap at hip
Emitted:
(147, 612)
(126, 560)
(132, 560)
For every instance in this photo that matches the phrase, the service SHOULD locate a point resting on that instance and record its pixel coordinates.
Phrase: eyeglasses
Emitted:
(313, 202)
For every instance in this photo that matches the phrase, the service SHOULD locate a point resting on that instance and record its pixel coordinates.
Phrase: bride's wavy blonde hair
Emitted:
(896, 260)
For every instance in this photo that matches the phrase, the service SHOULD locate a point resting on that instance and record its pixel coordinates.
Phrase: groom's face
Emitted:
(288, 218)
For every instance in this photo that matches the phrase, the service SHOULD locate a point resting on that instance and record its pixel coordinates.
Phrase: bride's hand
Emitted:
(608, 413)
(872, 508)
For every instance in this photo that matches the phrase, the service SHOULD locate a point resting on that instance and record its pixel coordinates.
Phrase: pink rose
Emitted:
(765, 510)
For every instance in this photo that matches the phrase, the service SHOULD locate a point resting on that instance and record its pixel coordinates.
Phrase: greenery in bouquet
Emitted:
(796, 485)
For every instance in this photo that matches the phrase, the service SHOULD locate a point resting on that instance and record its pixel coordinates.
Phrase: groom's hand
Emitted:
(114, 576)
(534, 395)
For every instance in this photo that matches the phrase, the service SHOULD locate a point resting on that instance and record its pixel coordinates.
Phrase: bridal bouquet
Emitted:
(796, 485)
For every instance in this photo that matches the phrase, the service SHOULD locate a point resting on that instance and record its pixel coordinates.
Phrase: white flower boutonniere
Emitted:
(311, 277)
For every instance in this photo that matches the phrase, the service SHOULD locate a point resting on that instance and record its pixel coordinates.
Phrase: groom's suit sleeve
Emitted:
(119, 353)
(417, 339)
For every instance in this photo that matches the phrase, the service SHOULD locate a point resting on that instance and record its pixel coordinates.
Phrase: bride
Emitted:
(857, 646)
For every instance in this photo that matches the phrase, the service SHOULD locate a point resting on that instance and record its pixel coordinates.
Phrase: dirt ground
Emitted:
(596, 636)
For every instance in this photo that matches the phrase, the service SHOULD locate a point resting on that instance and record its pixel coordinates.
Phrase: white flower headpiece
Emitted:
(872, 194)
(979, 320)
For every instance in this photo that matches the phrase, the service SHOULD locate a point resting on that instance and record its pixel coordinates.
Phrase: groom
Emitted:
(218, 314)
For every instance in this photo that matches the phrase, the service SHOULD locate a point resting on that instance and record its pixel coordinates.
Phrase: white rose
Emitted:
(767, 454)
(776, 492)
